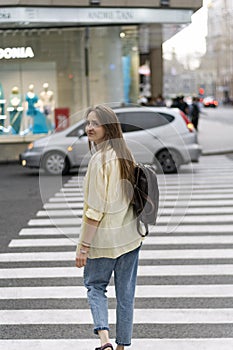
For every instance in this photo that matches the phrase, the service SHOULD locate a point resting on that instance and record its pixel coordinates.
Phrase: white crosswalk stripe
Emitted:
(149, 241)
(151, 291)
(185, 279)
(148, 344)
(177, 270)
(82, 316)
(145, 255)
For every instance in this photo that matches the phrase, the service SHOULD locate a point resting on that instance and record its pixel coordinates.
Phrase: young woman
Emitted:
(109, 241)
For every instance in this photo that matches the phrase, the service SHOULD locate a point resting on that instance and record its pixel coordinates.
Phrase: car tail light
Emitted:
(189, 125)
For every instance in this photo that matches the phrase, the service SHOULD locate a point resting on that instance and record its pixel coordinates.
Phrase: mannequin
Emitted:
(27, 122)
(38, 122)
(31, 99)
(47, 102)
(15, 109)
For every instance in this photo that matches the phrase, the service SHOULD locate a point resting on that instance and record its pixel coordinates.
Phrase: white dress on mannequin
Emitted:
(47, 103)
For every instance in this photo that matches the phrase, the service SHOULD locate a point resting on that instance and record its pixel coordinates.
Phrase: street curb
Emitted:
(217, 152)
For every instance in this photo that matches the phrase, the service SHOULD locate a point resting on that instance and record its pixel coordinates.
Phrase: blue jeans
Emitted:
(97, 275)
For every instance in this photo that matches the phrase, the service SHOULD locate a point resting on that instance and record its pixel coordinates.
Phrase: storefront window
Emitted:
(46, 69)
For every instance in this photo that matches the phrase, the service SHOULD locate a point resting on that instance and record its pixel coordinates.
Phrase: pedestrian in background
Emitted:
(109, 241)
(159, 101)
(182, 105)
(195, 112)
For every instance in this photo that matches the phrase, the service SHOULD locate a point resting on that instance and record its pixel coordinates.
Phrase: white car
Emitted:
(156, 135)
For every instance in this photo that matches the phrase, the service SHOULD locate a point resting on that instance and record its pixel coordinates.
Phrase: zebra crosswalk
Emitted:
(184, 291)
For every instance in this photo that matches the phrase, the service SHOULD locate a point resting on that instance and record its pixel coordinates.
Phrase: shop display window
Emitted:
(67, 68)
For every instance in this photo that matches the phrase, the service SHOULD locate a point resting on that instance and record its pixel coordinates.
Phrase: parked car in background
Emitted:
(156, 135)
(210, 101)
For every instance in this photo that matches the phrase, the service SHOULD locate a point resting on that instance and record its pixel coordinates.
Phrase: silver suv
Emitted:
(156, 135)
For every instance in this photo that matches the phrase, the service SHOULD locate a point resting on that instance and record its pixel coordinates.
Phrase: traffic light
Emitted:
(201, 91)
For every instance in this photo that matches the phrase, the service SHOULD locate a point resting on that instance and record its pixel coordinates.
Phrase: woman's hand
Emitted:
(81, 258)
(90, 227)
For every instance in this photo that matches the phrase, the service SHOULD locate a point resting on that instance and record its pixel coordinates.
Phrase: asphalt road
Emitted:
(190, 269)
(22, 194)
(203, 251)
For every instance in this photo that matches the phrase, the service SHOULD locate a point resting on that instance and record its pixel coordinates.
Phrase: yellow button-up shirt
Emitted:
(104, 201)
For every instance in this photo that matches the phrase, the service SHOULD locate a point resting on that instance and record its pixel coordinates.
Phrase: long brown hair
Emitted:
(114, 136)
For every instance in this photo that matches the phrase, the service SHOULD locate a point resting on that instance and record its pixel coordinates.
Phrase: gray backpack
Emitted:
(146, 196)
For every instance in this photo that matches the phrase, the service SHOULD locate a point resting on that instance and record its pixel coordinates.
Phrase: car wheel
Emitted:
(55, 163)
(165, 161)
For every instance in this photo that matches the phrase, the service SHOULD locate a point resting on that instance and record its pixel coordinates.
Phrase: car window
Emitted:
(77, 132)
(135, 121)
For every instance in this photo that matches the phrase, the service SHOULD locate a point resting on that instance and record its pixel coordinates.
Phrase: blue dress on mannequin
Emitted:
(39, 120)
(2, 106)
(31, 111)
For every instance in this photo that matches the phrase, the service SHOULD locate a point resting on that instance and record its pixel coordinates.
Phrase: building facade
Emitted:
(220, 47)
(81, 52)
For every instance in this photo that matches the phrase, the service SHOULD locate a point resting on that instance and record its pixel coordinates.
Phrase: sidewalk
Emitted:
(215, 137)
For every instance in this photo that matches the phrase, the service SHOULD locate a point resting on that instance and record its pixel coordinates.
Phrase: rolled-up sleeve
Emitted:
(96, 196)
(94, 214)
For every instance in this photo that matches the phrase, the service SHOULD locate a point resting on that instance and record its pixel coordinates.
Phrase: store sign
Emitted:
(16, 52)
(26, 17)
(115, 15)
